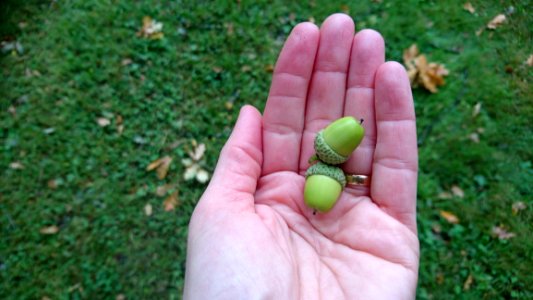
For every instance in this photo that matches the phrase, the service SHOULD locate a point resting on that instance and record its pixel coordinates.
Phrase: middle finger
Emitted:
(325, 100)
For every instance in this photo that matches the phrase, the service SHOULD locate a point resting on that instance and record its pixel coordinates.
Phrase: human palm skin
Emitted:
(251, 235)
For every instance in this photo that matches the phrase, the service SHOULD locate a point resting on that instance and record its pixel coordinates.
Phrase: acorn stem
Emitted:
(362, 120)
(313, 159)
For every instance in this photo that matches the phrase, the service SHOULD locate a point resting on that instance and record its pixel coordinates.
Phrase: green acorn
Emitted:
(323, 186)
(335, 143)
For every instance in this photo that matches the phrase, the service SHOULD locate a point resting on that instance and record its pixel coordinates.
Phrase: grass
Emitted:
(82, 61)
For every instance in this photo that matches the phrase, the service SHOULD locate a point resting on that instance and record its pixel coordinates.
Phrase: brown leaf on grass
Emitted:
(429, 75)
(228, 105)
(518, 206)
(501, 233)
(49, 230)
(439, 278)
(449, 217)
(469, 7)
(457, 191)
(269, 68)
(171, 201)
(52, 184)
(345, 8)
(161, 166)
(119, 121)
(151, 29)
(162, 190)
(496, 21)
(468, 282)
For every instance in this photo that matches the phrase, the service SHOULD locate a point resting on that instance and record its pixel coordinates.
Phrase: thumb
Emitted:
(239, 165)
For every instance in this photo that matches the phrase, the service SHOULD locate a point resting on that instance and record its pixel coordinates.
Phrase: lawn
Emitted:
(87, 103)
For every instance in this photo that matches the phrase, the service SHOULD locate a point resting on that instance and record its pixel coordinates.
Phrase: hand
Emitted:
(251, 236)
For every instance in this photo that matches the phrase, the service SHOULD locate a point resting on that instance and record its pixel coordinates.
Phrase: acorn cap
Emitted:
(338, 140)
(327, 170)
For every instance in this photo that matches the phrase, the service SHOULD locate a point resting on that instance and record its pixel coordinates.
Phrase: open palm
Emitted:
(251, 235)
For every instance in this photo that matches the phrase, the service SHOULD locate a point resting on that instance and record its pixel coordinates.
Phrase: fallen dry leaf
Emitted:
(161, 166)
(529, 61)
(449, 217)
(457, 191)
(518, 206)
(171, 201)
(126, 61)
(445, 195)
(202, 176)
(148, 209)
(436, 228)
(103, 122)
(469, 7)
(12, 110)
(496, 21)
(49, 230)
(52, 184)
(476, 110)
(474, 137)
(198, 152)
(501, 233)
(439, 278)
(468, 282)
(420, 72)
(410, 54)
(151, 29)
(228, 105)
(16, 165)
(345, 8)
(193, 169)
(162, 190)
(269, 68)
